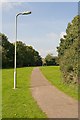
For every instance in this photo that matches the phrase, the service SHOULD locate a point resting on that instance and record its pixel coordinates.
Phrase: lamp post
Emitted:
(22, 13)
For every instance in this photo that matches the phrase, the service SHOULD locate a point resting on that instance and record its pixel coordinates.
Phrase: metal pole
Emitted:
(23, 13)
(15, 85)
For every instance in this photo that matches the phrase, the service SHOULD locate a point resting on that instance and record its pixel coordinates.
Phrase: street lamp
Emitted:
(22, 13)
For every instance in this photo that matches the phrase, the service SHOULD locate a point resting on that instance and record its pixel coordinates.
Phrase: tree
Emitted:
(7, 51)
(20, 53)
(26, 55)
(37, 59)
(51, 60)
(68, 52)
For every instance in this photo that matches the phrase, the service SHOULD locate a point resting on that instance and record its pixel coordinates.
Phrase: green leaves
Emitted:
(26, 55)
(68, 51)
(51, 60)
(7, 51)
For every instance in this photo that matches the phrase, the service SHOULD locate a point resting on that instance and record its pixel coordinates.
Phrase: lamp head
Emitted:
(23, 13)
(26, 13)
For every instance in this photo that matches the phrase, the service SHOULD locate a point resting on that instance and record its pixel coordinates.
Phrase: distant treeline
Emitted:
(25, 55)
(69, 52)
(50, 60)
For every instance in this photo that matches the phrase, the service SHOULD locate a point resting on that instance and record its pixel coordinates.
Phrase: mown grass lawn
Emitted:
(18, 103)
(0, 94)
(53, 74)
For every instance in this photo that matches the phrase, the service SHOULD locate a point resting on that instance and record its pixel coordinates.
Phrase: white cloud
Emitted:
(40, 0)
(3, 0)
(10, 5)
(11, 1)
(17, 1)
(43, 45)
(46, 44)
(62, 34)
(52, 36)
(43, 51)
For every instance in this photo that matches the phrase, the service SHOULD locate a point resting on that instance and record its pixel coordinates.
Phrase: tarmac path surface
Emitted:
(53, 102)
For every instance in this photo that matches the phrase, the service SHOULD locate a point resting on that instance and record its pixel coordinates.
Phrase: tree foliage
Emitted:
(7, 51)
(26, 55)
(68, 51)
(51, 60)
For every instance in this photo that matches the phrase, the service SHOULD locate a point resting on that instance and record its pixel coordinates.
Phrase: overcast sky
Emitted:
(43, 28)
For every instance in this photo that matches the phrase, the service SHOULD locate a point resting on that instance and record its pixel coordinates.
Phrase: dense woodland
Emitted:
(69, 50)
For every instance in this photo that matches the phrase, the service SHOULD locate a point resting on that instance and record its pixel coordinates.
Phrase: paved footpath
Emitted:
(53, 102)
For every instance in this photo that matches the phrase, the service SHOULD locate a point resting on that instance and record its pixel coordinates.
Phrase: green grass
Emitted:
(18, 103)
(53, 74)
(0, 94)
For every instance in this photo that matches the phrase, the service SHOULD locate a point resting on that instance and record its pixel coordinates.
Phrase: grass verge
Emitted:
(53, 75)
(18, 103)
